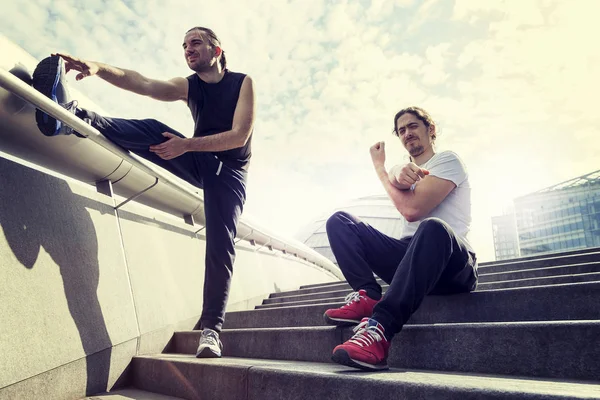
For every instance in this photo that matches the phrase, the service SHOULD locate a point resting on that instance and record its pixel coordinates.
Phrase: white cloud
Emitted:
(427, 10)
(434, 72)
(513, 85)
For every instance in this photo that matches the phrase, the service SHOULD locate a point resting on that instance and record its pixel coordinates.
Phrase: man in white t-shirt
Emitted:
(433, 256)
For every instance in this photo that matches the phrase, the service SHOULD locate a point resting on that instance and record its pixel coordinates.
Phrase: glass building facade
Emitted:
(378, 211)
(559, 218)
(506, 240)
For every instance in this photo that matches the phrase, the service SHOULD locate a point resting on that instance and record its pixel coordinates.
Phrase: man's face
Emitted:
(199, 54)
(413, 133)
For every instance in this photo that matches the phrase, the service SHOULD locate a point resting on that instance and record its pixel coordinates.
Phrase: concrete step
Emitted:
(540, 272)
(553, 260)
(576, 301)
(276, 298)
(251, 379)
(541, 281)
(518, 281)
(308, 299)
(550, 255)
(539, 263)
(131, 394)
(557, 349)
(318, 289)
(319, 285)
(512, 284)
(304, 303)
(301, 303)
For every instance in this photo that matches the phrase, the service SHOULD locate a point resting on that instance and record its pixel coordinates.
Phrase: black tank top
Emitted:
(212, 106)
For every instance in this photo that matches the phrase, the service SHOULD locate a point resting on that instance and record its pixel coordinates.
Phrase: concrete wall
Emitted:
(84, 287)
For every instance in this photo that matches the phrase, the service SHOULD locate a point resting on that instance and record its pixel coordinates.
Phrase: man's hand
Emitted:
(174, 147)
(404, 176)
(85, 68)
(378, 154)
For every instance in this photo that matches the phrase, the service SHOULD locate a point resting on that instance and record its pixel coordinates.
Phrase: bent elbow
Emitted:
(411, 215)
(242, 138)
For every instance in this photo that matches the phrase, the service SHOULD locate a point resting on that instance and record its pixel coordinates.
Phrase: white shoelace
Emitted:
(366, 335)
(352, 298)
(210, 337)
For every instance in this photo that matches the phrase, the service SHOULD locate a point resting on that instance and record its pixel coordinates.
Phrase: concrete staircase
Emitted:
(531, 330)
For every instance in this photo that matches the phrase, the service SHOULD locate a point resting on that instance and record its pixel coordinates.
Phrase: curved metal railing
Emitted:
(100, 160)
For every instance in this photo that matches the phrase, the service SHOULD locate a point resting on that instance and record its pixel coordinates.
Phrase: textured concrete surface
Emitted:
(541, 262)
(131, 394)
(312, 296)
(157, 341)
(543, 303)
(540, 277)
(555, 339)
(540, 281)
(336, 301)
(315, 289)
(544, 256)
(559, 349)
(80, 279)
(71, 381)
(277, 380)
(319, 284)
(540, 272)
(166, 266)
(277, 272)
(65, 291)
(307, 343)
(307, 301)
(195, 380)
(246, 304)
(470, 300)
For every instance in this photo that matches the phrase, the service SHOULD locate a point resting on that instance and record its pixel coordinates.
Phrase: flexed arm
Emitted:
(414, 205)
(404, 176)
(171, 90)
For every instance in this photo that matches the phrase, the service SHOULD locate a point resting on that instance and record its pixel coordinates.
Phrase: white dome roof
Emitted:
(378, 211)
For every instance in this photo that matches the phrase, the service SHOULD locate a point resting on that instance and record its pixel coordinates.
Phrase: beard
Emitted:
(416, 151)
(201, 66)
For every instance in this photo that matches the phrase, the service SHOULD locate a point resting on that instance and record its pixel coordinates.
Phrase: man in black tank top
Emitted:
(215, 159)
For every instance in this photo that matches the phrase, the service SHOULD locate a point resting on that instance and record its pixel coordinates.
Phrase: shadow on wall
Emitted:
(37, 210)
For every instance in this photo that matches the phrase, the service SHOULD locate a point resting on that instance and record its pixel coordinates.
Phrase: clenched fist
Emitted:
(378, 154)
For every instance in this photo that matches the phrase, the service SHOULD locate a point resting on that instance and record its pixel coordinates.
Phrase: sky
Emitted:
(512, 85)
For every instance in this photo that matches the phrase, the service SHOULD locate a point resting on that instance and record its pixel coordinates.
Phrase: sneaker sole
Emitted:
(340, 321)
(207, 353)
(45, 80)
(342, 357)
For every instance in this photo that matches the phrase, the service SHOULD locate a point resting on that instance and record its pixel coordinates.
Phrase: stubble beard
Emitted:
(416, 151)
(199, 66)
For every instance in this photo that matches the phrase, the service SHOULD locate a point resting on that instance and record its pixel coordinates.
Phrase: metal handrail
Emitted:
(246, 231)
(11, 83)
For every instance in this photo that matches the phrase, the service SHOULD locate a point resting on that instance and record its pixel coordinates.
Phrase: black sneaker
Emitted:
(49, 78)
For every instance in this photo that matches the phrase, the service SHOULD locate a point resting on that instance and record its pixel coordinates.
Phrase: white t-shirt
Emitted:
(455, 209)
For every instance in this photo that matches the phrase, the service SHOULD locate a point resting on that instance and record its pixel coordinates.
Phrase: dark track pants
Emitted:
(433, 261)
(224, 197)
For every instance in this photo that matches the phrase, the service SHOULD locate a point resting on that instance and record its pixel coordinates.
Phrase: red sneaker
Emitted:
(367, 349)
(358, 306)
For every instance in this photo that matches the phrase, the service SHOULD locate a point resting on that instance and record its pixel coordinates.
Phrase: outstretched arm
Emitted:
(243, 122)
(171, 90)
